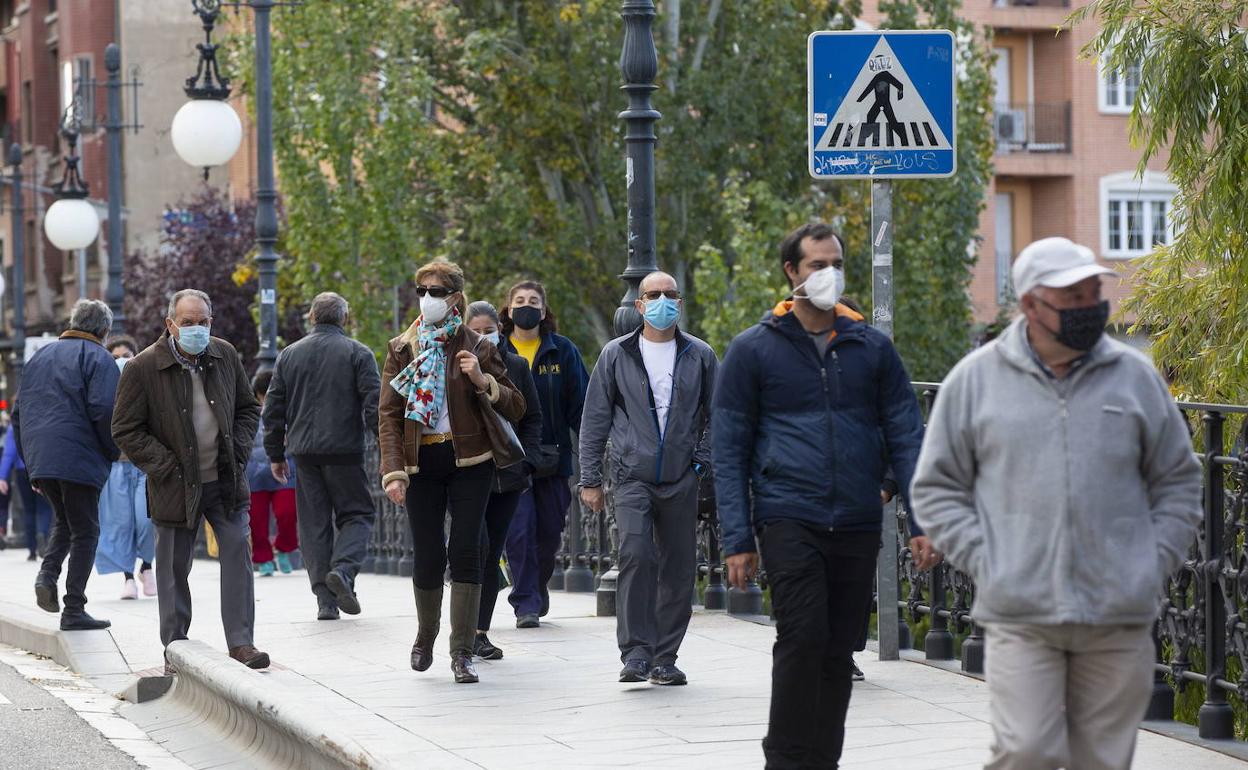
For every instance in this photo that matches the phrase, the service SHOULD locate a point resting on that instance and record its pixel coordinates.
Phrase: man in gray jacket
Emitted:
(1055, 457)
(321, 403)
(650, 393)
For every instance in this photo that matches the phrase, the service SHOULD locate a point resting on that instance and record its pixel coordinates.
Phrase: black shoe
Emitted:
(667, 674)
(528, 621)
(635, 670)
(343, 592)
(855, 673)
(81, 621)
(45, 596)
(327, 612)
(32, 556)
(465, 673)
(545, 591)
(485, 649)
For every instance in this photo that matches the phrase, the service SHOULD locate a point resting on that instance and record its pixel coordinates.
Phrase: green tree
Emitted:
(1193, 98)
(488, 133)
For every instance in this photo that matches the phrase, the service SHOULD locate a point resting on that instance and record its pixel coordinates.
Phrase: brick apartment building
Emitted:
(46, 48)
(1063, 162)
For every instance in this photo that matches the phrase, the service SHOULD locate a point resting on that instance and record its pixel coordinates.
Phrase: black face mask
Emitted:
(527, 317)
(1080, 327)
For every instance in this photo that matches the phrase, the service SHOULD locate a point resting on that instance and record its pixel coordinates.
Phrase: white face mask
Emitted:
(493, 337)
(823, 287)
(434, 309)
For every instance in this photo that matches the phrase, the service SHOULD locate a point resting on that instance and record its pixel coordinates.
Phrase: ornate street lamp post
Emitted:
(205, 135)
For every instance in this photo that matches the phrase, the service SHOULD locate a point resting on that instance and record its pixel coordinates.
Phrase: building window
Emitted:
(1119, 88)
(1136, 214)
(28, 114)
(84, 90)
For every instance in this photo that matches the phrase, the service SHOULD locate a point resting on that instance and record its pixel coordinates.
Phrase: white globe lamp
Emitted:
(206, 133)
(71, 224)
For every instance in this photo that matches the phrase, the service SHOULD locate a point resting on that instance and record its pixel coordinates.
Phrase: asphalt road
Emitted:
(38, 731)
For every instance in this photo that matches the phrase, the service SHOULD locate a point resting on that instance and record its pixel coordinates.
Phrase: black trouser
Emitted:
(75, 533)
(819, 582)
(498, 514)
(335, 515)
(467, 490)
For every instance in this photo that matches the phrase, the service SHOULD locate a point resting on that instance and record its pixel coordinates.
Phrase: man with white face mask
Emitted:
(651, 395)
(812, 407)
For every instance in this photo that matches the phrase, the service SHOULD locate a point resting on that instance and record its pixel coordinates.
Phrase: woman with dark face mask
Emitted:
(442, 386)
(509, 482)
(529, 329)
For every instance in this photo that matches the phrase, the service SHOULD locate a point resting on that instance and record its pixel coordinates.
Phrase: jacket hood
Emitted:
(782, 319)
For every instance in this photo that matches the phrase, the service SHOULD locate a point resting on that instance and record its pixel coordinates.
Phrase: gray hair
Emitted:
(329, 308)
(91, 316)
(481, 307)
(178, 296)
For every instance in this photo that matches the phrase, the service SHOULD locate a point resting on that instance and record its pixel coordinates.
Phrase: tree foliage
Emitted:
(1193, 98)
(204, 242)
(488, 133)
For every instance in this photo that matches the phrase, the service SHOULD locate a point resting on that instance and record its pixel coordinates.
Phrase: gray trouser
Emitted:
(1068, 695)
(175, 552)
(329, 498)
(658, 542)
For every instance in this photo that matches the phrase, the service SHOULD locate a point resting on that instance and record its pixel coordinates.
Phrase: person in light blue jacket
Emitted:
(126, 533)
(36, 511)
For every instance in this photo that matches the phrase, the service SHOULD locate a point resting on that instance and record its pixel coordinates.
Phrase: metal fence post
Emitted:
(1215, 719)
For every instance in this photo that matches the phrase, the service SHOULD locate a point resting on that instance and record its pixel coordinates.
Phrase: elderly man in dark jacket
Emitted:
(61, 424)
(187, 418)
(320, 405)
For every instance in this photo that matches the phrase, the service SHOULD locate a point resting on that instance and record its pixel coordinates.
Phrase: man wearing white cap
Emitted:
(1057, 470)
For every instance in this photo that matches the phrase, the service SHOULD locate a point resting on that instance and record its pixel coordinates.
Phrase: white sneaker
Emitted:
(131, 589)
(149, 582)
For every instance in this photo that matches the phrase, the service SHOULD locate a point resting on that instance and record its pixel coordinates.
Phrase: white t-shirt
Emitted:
(660, 360)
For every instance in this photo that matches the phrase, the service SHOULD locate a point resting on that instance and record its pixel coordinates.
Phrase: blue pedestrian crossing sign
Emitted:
(881, 104)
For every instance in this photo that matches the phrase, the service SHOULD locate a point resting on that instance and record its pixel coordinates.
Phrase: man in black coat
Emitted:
(61, 425)
(321, 403)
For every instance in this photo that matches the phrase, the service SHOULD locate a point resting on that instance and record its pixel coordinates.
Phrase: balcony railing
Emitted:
(1041, 128)
(1030, 3)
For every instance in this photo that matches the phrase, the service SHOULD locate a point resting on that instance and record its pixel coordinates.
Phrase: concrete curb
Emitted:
(93, 654)
(269, 723)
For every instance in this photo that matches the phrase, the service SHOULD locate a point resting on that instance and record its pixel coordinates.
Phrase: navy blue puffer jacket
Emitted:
(796, 435)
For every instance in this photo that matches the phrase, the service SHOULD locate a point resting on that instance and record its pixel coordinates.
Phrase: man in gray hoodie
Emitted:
(651, 395)
(1059, 473)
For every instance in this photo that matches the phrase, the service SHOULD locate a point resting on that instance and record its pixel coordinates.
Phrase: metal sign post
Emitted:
(887, 583)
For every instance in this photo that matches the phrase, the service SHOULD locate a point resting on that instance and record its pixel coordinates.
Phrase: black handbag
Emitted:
(503, 440)
(547, 461)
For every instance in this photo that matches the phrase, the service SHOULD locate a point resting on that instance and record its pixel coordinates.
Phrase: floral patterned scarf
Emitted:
(423, 381)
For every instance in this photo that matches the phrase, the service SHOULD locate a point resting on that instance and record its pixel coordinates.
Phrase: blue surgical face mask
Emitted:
(493, 337)
(662, 313)
(193, 339)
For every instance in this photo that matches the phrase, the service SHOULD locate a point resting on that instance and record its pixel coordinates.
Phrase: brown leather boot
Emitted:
(429, 620)
(465, 603)
(249, 656)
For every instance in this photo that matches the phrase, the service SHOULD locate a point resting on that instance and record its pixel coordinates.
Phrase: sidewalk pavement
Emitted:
(553, 701)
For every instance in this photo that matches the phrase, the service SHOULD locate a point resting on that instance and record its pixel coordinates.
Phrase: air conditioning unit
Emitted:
(1011, 126)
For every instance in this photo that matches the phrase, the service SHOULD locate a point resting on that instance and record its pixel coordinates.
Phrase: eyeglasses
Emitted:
(437, 292)
(652, 295)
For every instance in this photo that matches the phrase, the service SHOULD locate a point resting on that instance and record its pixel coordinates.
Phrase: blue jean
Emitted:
(533, 541)
(126, 532)
(36, 511)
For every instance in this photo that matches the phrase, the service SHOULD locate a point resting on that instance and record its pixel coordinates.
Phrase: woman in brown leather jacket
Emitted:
(440, 383)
